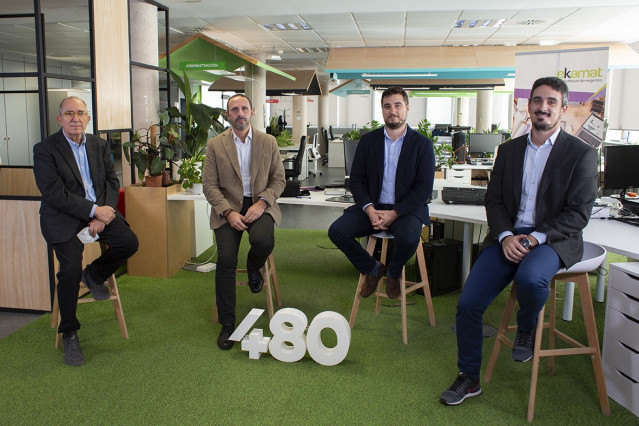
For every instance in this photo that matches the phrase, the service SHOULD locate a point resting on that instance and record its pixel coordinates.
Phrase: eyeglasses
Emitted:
(80, 114)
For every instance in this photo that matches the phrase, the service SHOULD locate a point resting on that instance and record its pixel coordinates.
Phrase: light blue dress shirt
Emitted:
(391, 156)
(535, 160)
(80, 154)
(244, 158)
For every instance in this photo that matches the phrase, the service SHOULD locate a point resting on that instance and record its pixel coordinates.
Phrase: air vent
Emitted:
(531, 22)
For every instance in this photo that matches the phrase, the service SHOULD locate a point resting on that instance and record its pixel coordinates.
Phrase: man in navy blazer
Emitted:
(538, 201)
(391, 181)
(79, 187)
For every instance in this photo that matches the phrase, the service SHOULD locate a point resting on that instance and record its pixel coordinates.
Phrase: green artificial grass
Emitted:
(171, 371)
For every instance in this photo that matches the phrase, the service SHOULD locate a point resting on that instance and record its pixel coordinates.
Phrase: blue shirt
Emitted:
(391, 156)
(535, 160)
(80, 154)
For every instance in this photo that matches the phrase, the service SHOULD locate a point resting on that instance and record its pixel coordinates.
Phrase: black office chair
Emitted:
(325, 136)
(295, 163)
(330, 129)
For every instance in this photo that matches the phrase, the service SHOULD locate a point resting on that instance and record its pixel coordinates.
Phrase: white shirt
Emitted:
(244, 158)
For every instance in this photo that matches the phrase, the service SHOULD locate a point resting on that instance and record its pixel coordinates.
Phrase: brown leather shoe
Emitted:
(392, 287)
(370, 282)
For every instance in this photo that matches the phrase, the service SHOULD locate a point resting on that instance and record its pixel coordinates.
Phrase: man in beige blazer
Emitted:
(242, 178)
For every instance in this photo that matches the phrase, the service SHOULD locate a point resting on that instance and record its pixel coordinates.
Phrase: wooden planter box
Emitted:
(163, 229)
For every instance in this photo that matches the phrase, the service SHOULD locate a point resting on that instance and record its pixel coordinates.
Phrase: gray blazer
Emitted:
(64, 206)
(565, 197)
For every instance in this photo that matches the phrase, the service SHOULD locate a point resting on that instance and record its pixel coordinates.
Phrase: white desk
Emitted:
(616, 237)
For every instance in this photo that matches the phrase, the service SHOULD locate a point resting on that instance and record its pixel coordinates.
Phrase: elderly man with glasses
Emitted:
(80, 189)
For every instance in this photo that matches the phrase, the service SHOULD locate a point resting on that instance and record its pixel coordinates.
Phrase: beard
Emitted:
(240, 124)
(396, 124)
(544, 125)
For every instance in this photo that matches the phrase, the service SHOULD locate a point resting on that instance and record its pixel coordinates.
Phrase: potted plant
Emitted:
(197, 123)
(191, 172)
(357, 133)
(444, 157)
(149, 150)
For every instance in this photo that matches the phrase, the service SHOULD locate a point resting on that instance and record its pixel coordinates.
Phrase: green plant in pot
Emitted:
(191, 172)
(444, 157)
(357, 133)
(149, 150)
(197, 123)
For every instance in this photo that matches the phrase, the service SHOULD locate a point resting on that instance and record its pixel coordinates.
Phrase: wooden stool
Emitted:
(269, 274)
(405, 286)
(83, 290)
(578, 273)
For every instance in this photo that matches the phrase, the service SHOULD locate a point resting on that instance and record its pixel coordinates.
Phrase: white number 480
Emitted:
(289, 344)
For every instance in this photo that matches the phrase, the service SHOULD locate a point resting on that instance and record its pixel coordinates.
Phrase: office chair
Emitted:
(330, 129)
(325, 136)
(314, 155)
(295, 162)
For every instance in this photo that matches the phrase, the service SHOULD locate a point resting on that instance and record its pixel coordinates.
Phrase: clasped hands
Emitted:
(512, 248)
(102, 216)
(381, 219)
(240, 222)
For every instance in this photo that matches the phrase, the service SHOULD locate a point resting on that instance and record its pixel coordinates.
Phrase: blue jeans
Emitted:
(490, 274)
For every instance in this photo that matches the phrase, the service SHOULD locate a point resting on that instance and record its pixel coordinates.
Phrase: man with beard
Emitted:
(242, 178)
(391, 181)
(539, 199)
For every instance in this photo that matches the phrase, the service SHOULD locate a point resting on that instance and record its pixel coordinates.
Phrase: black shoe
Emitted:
(98, 290)
(461, 389)
(524, 346)
(223, 339)
(255, 280)
(72, 350)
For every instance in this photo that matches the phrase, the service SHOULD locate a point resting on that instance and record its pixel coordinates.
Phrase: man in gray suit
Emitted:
(242, 178)
(79, 187)
(539, 199)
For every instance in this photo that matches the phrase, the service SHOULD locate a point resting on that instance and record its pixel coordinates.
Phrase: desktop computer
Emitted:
(443, 263)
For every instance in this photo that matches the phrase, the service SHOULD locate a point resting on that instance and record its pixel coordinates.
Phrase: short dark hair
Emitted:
(554, 83)
(237, 95)
(395, 90)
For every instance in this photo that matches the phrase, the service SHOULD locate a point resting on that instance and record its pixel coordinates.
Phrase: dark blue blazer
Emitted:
(64, 206)
(565, 196)
(413, 181)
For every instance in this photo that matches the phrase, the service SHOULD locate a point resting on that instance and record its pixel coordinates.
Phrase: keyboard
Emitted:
(629, 220)
(463, 195)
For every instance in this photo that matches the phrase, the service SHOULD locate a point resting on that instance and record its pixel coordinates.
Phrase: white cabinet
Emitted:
(19, 115)
(621, 335)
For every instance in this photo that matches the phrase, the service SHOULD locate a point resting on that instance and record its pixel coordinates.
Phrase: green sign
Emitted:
(202, 65)
(358, 92)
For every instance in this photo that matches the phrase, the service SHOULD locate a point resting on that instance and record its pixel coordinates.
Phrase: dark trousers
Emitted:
(122, 243)
(490, 274)
(406, 231)
(262, 241)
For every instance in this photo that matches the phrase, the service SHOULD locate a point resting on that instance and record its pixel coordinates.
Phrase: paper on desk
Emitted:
(85, 236)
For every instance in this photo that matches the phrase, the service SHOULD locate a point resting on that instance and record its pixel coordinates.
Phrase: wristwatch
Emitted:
(525, 243)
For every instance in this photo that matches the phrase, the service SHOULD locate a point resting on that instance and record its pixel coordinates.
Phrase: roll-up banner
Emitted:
(585, 71)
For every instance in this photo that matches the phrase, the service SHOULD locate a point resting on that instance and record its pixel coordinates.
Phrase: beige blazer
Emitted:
(222, 179)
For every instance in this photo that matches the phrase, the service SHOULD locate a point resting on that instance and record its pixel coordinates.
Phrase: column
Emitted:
(144, 82)
(299, 118)
(323, 120)
(462, 115)
(484, 117)
(255, 89)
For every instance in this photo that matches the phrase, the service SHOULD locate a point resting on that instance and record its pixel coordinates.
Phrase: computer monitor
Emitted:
(453, 129)
(620, 167)
(350, 146)
(483, 143)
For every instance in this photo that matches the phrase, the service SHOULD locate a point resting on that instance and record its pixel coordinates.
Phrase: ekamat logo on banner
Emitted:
(582, 74)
